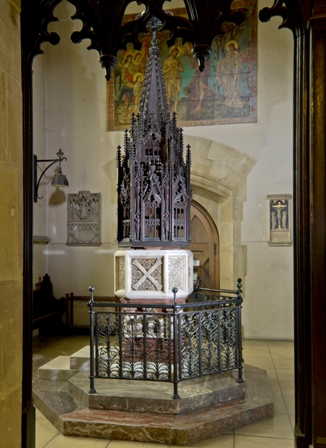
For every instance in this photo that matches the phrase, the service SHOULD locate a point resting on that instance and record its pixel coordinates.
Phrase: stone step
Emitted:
(145, 410)
(156, 396)
(72, 418)
(64, 367)
(81, 359)
(58, 369)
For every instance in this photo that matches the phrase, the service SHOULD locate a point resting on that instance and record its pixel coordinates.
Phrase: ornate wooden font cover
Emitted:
(154, 191)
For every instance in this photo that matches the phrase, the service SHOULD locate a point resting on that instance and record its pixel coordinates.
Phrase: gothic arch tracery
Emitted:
(102, 24)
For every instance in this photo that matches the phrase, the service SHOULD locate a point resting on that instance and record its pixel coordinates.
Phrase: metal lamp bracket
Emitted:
(36, 161)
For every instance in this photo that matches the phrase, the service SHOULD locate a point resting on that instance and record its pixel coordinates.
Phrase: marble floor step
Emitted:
(138, 395)
(72, 418)
(80, 359)
(58, 369)
(64, 367)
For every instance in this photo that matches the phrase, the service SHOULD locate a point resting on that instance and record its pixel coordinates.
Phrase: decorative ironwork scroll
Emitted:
(161, 342)
(134, 345)
(138, 345)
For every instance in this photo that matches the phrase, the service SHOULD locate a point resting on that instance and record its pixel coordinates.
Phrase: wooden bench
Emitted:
(70, 299)
(47, 310)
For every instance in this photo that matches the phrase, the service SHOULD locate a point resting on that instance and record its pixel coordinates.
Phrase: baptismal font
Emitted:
(154, 196)
(159, 332)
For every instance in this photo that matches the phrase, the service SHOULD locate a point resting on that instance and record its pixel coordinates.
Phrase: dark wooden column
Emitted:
(309, 29)
(310, 230)
(301, 205)
(28, 410)
(317, 178)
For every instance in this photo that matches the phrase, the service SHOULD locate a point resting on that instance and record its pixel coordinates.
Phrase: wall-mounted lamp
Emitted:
(59, 179)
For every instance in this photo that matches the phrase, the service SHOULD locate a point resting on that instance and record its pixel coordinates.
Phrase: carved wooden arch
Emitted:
(102, 24)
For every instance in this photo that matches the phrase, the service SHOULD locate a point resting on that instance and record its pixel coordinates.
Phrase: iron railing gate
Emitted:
(174, 342)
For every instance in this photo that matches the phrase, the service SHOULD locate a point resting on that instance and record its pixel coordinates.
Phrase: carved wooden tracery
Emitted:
(153, 179)
(102, 24)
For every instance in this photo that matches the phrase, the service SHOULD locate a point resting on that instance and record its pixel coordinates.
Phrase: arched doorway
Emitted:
(205, 245)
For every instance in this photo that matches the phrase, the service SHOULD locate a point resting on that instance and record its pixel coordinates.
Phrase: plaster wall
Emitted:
(235, 167)
(11, 229)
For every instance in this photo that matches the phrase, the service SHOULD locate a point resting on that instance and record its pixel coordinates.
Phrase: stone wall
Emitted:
(11, 228)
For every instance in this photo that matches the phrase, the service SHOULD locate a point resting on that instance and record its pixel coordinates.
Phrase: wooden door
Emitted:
(205, 245)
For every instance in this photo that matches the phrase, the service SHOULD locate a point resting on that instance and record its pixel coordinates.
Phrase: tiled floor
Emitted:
(276, 357)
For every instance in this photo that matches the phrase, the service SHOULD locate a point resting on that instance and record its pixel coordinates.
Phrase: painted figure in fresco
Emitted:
(127, 74)
(171, 69)
(138, 88)
(228, 73)
(284, 220)
(178, 45)
(274, 219)
(139, 56)
(199, 89)
(126, 108)
(226, 95)
(162, 37)
(138, 62)
(123, 57)
(129, 77)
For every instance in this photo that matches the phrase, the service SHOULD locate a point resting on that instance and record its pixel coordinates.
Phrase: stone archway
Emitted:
(219, 182)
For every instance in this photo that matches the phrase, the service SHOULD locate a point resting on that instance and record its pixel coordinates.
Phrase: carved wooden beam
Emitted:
(35, 18)
(102, 24)
(295, 14)
(207, 19)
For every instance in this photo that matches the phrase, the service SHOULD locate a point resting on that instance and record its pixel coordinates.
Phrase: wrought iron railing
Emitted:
(167, 342)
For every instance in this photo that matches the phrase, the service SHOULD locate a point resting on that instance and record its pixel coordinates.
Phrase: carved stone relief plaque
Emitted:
(121, 271)
(176, 269)
(153, 273)
(279, 220)
(146, 274)
(84, 219)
